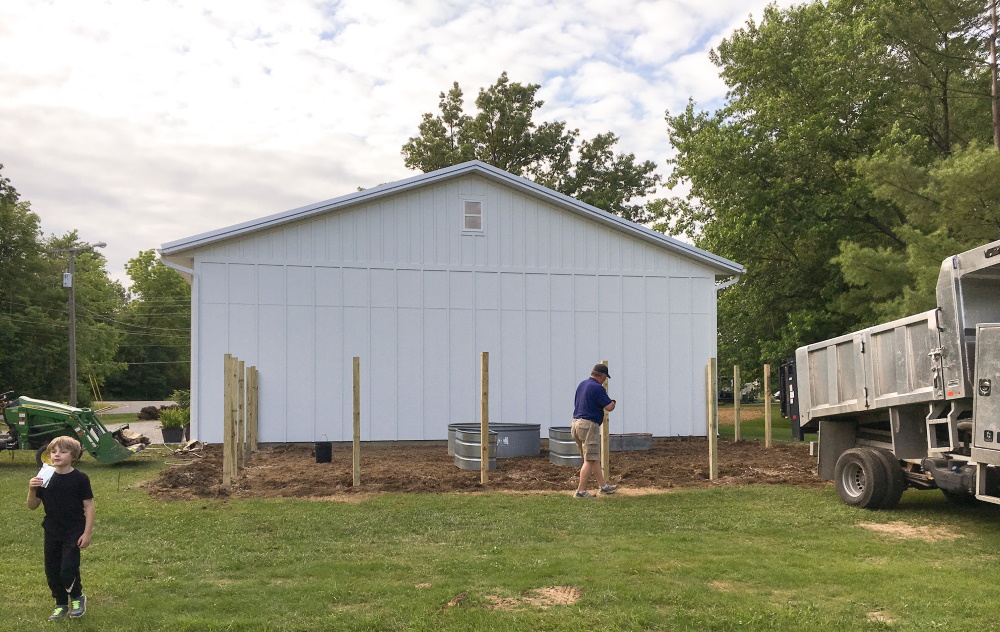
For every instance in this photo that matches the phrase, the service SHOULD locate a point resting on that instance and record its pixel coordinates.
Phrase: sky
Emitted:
(139, 122)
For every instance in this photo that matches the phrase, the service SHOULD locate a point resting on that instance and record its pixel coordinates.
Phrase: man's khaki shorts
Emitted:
(587, 435)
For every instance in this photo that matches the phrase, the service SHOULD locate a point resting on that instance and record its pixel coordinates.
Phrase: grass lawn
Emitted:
(753, 558)
(752, 423)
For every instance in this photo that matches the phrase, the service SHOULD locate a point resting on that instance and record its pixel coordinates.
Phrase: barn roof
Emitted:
(723, 266)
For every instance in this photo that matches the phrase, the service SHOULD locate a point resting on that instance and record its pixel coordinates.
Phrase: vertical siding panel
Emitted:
(301, 353)
(273, 373)
(384, 414)
(331, 361)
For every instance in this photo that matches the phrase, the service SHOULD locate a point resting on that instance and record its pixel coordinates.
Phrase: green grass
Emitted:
(119, 418)
(752, 424)
(751, 558)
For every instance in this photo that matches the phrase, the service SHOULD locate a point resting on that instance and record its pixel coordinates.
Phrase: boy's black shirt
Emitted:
(63, 501)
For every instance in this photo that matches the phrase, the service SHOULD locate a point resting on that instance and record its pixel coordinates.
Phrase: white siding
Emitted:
(399, 284)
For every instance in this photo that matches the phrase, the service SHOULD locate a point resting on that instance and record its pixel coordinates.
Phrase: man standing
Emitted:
(588, 415)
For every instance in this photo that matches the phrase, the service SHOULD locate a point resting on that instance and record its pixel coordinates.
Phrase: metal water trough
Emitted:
(512, 439)
(562, 447)
(467, 448)
(630, 442)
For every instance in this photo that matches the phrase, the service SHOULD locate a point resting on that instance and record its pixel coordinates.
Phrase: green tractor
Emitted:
(32, 423)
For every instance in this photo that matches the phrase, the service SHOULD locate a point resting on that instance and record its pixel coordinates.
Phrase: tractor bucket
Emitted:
(110, 451)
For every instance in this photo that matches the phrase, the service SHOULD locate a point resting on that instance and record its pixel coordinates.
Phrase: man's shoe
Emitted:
(79, 607)
(609, 489)
(59, 613)
(583, 494)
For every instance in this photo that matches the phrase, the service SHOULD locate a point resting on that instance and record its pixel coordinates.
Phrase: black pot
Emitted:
(173, 435)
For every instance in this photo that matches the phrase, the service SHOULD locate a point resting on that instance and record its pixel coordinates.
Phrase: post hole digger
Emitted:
(32, 423)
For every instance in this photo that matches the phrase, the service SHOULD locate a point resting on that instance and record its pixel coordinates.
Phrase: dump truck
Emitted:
(33, 423)
(910, 403)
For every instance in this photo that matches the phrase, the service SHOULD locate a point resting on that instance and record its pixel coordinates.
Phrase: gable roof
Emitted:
(723, 266)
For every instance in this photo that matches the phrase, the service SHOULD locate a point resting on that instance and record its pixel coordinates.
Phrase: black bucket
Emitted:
(324, 451)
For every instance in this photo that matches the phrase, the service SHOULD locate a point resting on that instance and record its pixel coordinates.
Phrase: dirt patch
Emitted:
(290, 471)
(881, 617)
(909, 532)
(541, 598)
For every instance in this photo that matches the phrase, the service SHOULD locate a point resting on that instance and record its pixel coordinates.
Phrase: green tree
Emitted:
(503, 133)
(155, 329)
(33, 311)
(824, 98)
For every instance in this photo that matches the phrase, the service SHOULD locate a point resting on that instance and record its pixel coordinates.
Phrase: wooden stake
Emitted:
(227, 421)
(605, 438)
(251, 409)
(357, 421)
(484, 417)
(241, 418)
(767, 405)
(712, 400)
(738, 432)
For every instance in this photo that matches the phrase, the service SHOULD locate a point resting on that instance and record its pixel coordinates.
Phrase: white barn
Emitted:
(418, 277)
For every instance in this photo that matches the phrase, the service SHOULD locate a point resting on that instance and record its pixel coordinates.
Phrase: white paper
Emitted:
(46, 474)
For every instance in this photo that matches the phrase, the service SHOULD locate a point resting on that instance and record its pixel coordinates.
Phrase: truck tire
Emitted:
(862, 478)
(897, 479)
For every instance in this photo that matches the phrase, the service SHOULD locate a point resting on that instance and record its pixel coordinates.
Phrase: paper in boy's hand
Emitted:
(46, 474)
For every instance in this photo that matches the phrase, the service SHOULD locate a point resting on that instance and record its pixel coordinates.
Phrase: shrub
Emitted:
(149, 413)
(183, 398)
(175, 417)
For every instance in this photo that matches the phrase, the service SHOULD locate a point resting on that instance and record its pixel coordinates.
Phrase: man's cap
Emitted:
(600, 368)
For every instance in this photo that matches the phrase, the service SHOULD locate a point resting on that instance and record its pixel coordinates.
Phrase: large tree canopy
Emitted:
(155, 328)
(852, 155)
(503, 133)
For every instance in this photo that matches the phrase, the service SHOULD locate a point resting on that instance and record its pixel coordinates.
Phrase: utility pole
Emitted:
(995, 83)
(69, 281)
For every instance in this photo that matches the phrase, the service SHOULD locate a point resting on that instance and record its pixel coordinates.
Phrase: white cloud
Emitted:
(140, 123)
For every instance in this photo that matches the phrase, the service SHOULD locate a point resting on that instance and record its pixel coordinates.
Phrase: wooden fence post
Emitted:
(712, 401)
(484, 417)
(251, 409)
(605, 439)
(229, 419)
(737, 387)
(767, 406)
(241, 419)
(357, 421)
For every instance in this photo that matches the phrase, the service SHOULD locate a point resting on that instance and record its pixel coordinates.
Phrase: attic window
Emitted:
(473, 215)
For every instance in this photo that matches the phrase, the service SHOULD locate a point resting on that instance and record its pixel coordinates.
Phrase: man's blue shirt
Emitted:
(591, 398)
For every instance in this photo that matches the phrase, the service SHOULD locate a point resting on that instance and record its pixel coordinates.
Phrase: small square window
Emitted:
(473, 215)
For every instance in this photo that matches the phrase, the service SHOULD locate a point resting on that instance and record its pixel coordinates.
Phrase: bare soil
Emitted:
(291, 471)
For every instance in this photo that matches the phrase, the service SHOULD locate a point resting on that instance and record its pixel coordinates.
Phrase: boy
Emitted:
(68, 524)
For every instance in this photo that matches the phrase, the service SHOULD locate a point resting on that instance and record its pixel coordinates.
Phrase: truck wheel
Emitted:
(42, 455)
(894, 473)
(861, 477)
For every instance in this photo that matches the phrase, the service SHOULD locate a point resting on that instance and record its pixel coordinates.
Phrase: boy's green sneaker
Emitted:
(59, 613)
(79, 607)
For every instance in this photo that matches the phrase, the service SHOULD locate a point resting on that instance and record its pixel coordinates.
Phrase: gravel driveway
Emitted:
(149, 428)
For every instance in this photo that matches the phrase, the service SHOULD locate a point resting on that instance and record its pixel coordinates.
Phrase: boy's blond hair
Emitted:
(69, 444)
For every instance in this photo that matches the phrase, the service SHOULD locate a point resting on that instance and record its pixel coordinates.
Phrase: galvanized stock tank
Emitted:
(512, 439)
(562, 447)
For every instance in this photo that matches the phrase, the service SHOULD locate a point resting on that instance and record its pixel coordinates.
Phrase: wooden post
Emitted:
(738, 431)
(712, 401)
(251, 409)
(767, 405)
(357, 421)
(241, 418)
(484, 417)
(605, 439)
(229, 417)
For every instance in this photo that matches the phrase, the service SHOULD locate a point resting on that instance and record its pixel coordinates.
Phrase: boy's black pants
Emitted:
(62, 567)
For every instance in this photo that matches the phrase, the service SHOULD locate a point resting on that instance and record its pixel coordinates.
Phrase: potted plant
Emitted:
(172, 422)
